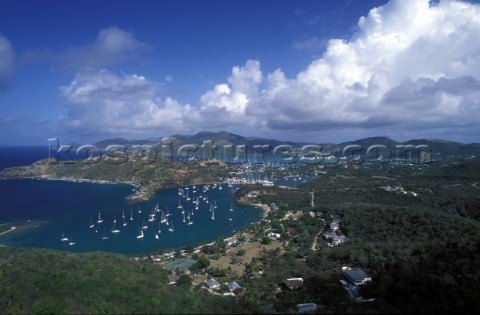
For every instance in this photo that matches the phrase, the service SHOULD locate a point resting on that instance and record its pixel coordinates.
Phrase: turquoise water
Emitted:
(69, 207)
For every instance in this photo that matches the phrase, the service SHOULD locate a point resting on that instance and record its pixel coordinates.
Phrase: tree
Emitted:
(184, 281)
(266, 240)
(241, 252)
(189, 249)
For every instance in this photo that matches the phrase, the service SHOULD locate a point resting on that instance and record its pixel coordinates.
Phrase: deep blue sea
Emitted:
(68, 209)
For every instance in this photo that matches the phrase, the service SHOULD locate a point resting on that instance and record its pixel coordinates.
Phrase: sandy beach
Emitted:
(266, 209)
(12, 228)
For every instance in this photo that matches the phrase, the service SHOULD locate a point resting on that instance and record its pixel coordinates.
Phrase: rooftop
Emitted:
(293, 283)
(356, 275)
(212, 283)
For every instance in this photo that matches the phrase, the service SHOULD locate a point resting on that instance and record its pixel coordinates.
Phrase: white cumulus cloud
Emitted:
(410, 63)
(112, 46)
(103, 103)
(6, 62)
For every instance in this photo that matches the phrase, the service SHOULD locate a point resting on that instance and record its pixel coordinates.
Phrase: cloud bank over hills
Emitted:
(410, 66)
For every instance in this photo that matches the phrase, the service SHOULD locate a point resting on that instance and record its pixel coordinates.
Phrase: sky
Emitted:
(314, 71)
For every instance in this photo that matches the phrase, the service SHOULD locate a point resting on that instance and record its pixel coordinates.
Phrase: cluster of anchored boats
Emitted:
(190, 199)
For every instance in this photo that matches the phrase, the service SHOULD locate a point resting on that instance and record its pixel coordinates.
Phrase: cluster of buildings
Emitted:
(233, 287)
(333, 234)
(354, 278)
(400, 190)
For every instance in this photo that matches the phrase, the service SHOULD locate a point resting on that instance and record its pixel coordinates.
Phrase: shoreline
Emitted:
(133, 198)
(136, 197)
(266, 209)
(12, 228)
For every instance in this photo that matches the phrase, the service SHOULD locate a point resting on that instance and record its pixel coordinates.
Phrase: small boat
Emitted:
(163, 219)
(230, 219)
(156, 236)
(100, 220)
(115, 230)
(63, 238)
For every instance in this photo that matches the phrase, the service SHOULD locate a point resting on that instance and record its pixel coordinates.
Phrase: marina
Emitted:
(210, 207)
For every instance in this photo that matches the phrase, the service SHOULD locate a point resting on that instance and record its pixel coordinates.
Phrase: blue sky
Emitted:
(315, 71)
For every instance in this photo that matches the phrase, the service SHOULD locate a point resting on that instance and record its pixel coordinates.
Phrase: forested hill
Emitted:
(48, 282)
(441, 149)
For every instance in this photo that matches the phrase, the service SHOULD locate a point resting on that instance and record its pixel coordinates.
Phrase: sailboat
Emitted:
(140, 234)
(157, 209)
(100, 220)
(105, 237)
(179, 205)
(91, 223)
(163, 219)
(123, 215)
(183, 213)
(156, 236)
(131, 215)
(171, 229)
(71, 242)
(213, 214)
(144, 226)
(159, 228)
(63, 238)
(124, 222)
(115, 230)
(189, 222)
(231, 208)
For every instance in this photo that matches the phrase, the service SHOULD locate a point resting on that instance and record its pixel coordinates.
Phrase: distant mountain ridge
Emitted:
(439, 148)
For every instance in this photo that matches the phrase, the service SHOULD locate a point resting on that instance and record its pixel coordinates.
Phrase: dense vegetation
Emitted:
(422, 250)
(44, 281)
